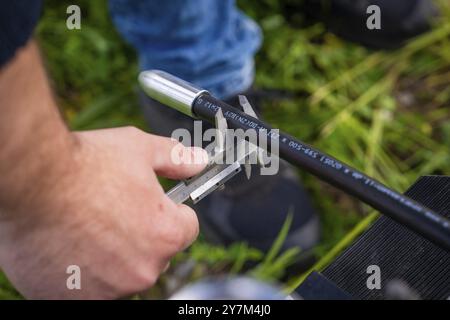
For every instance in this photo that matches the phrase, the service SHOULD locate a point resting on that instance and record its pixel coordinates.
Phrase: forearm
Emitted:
(34, 141)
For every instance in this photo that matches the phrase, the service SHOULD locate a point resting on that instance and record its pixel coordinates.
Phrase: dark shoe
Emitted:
(251, 211)
(400, 19)
(254, 211)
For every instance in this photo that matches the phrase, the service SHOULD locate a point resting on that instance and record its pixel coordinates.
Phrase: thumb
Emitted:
(173, 160)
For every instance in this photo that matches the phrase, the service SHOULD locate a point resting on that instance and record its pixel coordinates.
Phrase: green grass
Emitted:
(385, 113)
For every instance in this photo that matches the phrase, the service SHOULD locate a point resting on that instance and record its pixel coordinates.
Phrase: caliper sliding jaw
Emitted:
(218, 171)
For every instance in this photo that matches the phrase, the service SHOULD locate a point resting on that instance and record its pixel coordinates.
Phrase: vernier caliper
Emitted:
(218, 171)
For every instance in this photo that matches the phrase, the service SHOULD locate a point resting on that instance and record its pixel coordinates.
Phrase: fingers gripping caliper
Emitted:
(220, 169)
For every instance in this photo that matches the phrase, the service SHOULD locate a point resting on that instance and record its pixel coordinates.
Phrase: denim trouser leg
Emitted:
(208, 42)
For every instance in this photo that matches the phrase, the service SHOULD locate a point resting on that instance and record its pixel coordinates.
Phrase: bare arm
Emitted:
(89, 198)
(30, 129)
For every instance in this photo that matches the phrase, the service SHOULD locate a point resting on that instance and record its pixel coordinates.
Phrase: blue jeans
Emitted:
(207, 42)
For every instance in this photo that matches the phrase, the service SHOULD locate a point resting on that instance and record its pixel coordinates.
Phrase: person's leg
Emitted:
(207, 42)
(212, 44)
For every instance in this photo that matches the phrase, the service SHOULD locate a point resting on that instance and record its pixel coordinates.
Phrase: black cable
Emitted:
(404, 210)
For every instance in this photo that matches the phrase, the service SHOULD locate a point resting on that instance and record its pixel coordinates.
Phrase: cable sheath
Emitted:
(399, 207)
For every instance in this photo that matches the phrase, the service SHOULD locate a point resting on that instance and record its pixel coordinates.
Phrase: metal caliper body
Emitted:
(218, 171)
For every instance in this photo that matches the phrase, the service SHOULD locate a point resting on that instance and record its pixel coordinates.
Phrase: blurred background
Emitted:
(383, 112)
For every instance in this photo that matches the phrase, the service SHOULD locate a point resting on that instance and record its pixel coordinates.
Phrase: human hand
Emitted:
(101, 208)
